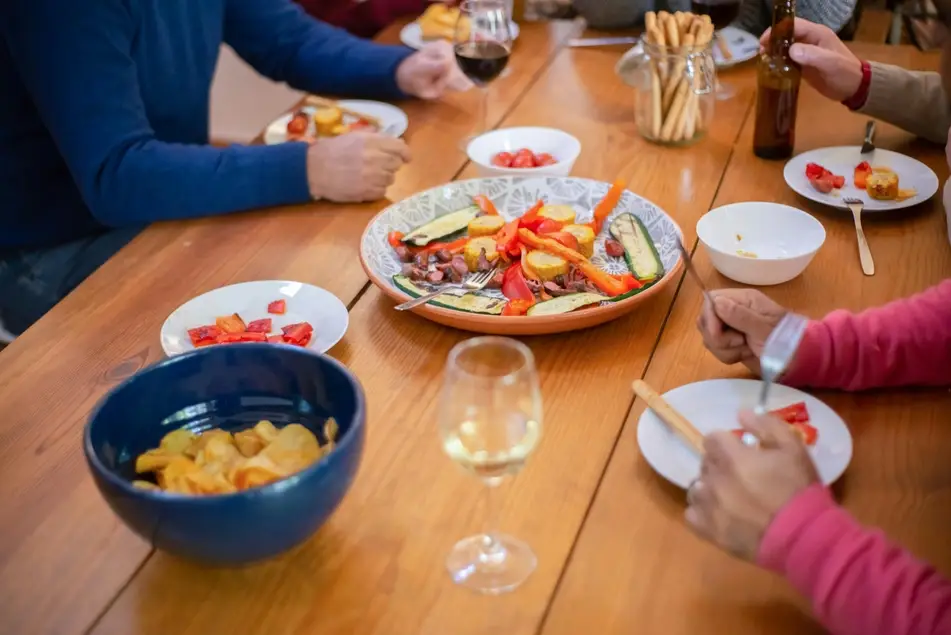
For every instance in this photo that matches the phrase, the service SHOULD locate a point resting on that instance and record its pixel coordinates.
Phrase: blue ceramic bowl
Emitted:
(230, 387)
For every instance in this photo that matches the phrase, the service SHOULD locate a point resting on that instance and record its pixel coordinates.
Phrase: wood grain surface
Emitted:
(636, 566)
(63, 554)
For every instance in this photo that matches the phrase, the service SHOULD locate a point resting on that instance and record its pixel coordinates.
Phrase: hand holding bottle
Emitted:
(827, 63)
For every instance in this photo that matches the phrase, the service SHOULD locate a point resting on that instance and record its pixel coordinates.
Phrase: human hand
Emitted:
(735, 327)
(827, 64)
(430, 72)
(742, 488)
(355, 167)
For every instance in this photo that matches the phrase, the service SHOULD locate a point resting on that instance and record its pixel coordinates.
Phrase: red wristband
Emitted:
(858, 100)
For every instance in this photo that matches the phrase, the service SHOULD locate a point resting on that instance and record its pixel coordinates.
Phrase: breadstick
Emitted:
(724, 48)
(656, 37)
(657, 114)
(695, 28)
(688, 128)
(706, 34)
(678, 73)
(674, 420)
(650, 21)
(671, 30)
(672, 122)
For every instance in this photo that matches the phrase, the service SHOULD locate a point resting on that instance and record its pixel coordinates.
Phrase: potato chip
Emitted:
(177, 441)
(146, 485)
(201, 482)
(266, 430)
(153, 461)
(256, 471)
(295, 448)
(207, 437)
(249, 443)
(331, 430)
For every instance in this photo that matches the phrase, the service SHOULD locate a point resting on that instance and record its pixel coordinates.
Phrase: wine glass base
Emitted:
(509, 565)
(725, 91)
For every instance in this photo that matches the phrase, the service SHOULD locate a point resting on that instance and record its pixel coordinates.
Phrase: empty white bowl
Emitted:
(783, 240)
(561, 145)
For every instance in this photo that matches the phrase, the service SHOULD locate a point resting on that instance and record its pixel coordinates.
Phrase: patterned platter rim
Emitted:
(519, 325)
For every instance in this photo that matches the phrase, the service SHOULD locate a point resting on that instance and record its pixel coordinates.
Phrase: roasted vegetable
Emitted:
(604, 208)
(485, 204)
(585, 236)
(546, 266)
(475, 247)
(565, 304)
(642, 258)
(470, 302)
(442, 227)
(561, 213)
(485, 226)
(326, 119)
(601, 279)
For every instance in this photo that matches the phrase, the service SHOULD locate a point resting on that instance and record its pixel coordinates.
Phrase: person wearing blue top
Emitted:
(104, 110)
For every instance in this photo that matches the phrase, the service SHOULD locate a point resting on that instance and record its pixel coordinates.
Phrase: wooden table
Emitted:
(614, 555)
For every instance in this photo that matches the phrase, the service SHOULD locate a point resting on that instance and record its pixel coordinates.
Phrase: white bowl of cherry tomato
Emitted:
(529, 151)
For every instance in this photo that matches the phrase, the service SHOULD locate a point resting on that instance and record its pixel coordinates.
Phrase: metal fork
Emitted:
(780, 347)
(865, 254)
(475, 282)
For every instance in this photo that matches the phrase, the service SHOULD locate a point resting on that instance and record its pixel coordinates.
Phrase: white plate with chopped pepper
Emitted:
(332, 119)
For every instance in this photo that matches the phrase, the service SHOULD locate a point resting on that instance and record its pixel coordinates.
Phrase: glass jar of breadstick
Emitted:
(676, 78)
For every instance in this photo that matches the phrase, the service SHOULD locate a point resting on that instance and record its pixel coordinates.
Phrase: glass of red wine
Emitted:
(483, 43)
(722, 13)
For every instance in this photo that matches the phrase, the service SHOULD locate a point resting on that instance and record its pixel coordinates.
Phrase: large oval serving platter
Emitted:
(513, 196)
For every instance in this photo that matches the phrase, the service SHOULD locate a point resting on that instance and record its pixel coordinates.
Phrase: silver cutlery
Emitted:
(867, 145)
(865, 254)
(474, 282)
(688, 264)
(780, 347)
(577, 42)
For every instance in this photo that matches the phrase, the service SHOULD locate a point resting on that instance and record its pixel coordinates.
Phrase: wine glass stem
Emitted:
(484, 109)
(491, 548)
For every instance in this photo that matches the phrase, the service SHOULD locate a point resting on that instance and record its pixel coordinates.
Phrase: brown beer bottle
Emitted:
(777, 79)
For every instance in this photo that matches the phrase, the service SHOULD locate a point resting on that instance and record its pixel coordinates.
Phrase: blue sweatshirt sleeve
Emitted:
(282, 42)
(79, 72)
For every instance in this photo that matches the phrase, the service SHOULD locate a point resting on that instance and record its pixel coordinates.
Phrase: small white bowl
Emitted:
(783, 239)
(560, 145)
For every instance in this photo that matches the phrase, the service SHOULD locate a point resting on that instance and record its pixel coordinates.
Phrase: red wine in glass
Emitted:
(482, 61)
(721, 12)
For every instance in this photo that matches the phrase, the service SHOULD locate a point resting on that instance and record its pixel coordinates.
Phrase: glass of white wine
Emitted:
(490, 420)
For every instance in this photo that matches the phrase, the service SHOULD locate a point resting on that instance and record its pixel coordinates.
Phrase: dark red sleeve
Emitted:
(365, 19)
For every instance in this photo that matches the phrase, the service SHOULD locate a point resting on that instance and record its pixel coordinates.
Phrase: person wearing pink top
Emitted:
(767, 505)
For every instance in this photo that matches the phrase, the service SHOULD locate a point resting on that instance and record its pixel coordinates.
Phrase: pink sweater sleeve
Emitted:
(858, 582)
(906, 342)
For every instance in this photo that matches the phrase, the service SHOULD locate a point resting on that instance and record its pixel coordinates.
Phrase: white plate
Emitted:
(393, 120)
(842, 161)
(714, 405)
(743, 45)
(412, 36)
(305, 303)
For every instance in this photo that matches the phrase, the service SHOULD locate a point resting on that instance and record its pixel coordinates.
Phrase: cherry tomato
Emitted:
(544, 158)
(523, 161)
(815, 171)
(823, 184)
(298, 124)
(503, 159)
(838, 181)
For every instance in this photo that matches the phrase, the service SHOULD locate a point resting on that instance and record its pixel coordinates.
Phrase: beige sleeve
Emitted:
(912, 100)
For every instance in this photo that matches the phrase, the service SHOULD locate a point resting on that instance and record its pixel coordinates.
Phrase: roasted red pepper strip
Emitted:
(278, 307)
(260, 326)
(548, 226)
(514, 286)
(204, 335)
(599, 278)
(606, 205)
(516, 307)
(507, 238)
(862, 171)
(298, 333)
(395, 238)
(485, 204)
(566, 239)
(455, 246)
(630, 282)
(531, 219)
(230, 338)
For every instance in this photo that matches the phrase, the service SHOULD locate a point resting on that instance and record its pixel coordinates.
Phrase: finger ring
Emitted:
(691, 489)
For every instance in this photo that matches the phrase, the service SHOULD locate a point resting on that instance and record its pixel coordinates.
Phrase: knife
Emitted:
(867, 145)
(601, 41)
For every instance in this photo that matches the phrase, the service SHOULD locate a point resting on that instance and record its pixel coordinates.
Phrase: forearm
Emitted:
(151, 181)
(923, 107)
(858, 583)
(905, 343)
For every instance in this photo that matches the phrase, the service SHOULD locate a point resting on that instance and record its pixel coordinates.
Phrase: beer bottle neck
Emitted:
(783, 31)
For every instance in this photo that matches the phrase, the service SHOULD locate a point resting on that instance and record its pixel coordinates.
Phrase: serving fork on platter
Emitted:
(474, 282)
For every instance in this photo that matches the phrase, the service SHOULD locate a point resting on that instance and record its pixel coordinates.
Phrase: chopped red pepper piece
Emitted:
(278, 307)
(231, 338)
(548, 226)
(514, 286)
(516, 307)
(531, 219)
(606, 205)
(485, 204)
(204, 335)
(629, 281)
(275, 339)
(260, 326)
(297, 333)
(507, 239)
(568, 240)
(231, 323)
(795, 413)
(862, 171)
(395, 238)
